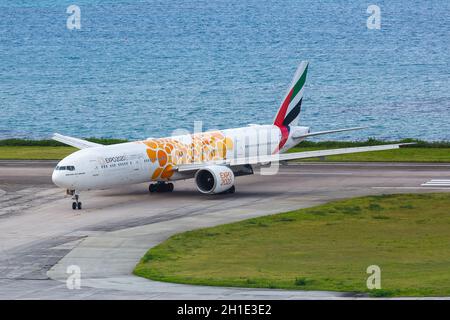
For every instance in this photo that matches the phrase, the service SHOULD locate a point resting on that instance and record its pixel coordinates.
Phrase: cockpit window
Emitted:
(70, 168)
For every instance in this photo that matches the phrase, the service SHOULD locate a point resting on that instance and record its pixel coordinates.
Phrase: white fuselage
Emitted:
(156, 159)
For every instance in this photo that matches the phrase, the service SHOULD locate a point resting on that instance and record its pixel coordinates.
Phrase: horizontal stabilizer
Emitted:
(75, 142)
(312, 134)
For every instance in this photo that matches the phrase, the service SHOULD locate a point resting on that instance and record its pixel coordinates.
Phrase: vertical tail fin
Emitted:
(289, 111)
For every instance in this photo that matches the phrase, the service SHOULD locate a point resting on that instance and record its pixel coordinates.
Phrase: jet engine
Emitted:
(214, 179)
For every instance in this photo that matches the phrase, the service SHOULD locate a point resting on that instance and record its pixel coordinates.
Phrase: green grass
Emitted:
(52, 143)
(327, 247)
(34, 153)
(404, 154)
(372, 142)
(423, 151)
(21, 149)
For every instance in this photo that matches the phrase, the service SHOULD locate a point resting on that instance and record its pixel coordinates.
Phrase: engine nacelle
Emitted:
(214, 179)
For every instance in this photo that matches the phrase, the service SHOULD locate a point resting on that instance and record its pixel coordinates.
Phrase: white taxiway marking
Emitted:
(368, 164)
(318, 173)
(437, 183)
(418, 187)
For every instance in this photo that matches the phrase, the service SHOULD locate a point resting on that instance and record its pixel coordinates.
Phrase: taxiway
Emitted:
(40, 235)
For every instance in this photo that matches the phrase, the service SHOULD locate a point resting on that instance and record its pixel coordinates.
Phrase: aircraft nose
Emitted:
(58, 178)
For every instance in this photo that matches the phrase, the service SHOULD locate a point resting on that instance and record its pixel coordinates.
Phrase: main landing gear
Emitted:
(160, 187)
(76, 204)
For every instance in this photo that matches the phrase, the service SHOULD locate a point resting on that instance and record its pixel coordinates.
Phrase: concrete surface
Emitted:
(40, 235)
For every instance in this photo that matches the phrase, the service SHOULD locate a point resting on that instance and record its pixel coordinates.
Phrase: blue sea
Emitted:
(140, 69)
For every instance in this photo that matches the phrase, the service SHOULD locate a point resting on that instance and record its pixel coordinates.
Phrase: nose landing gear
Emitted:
(76, 204)
(160, 187)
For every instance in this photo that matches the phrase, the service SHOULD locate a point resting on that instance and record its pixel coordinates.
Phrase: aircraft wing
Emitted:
(287, 156)
(75, 142)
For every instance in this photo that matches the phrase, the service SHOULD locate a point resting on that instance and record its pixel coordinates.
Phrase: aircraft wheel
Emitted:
(74, 205)
(170, 187)
(79, 205)
(152, 188)
(162, 187)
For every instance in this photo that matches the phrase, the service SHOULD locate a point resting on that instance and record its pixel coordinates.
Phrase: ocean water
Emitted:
(140, 69)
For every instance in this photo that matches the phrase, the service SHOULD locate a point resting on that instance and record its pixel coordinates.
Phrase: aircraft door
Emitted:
(136, 166)
(240, 146)
(94, 167)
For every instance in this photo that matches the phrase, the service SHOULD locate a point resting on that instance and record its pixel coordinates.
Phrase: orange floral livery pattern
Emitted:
(169, 152)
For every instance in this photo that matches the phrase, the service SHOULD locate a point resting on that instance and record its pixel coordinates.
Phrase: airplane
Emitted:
(212, 158)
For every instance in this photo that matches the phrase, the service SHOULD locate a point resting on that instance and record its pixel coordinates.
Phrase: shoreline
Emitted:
(420, 152)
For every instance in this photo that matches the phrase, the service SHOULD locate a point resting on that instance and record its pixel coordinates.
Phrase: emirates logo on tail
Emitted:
(289, 111)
